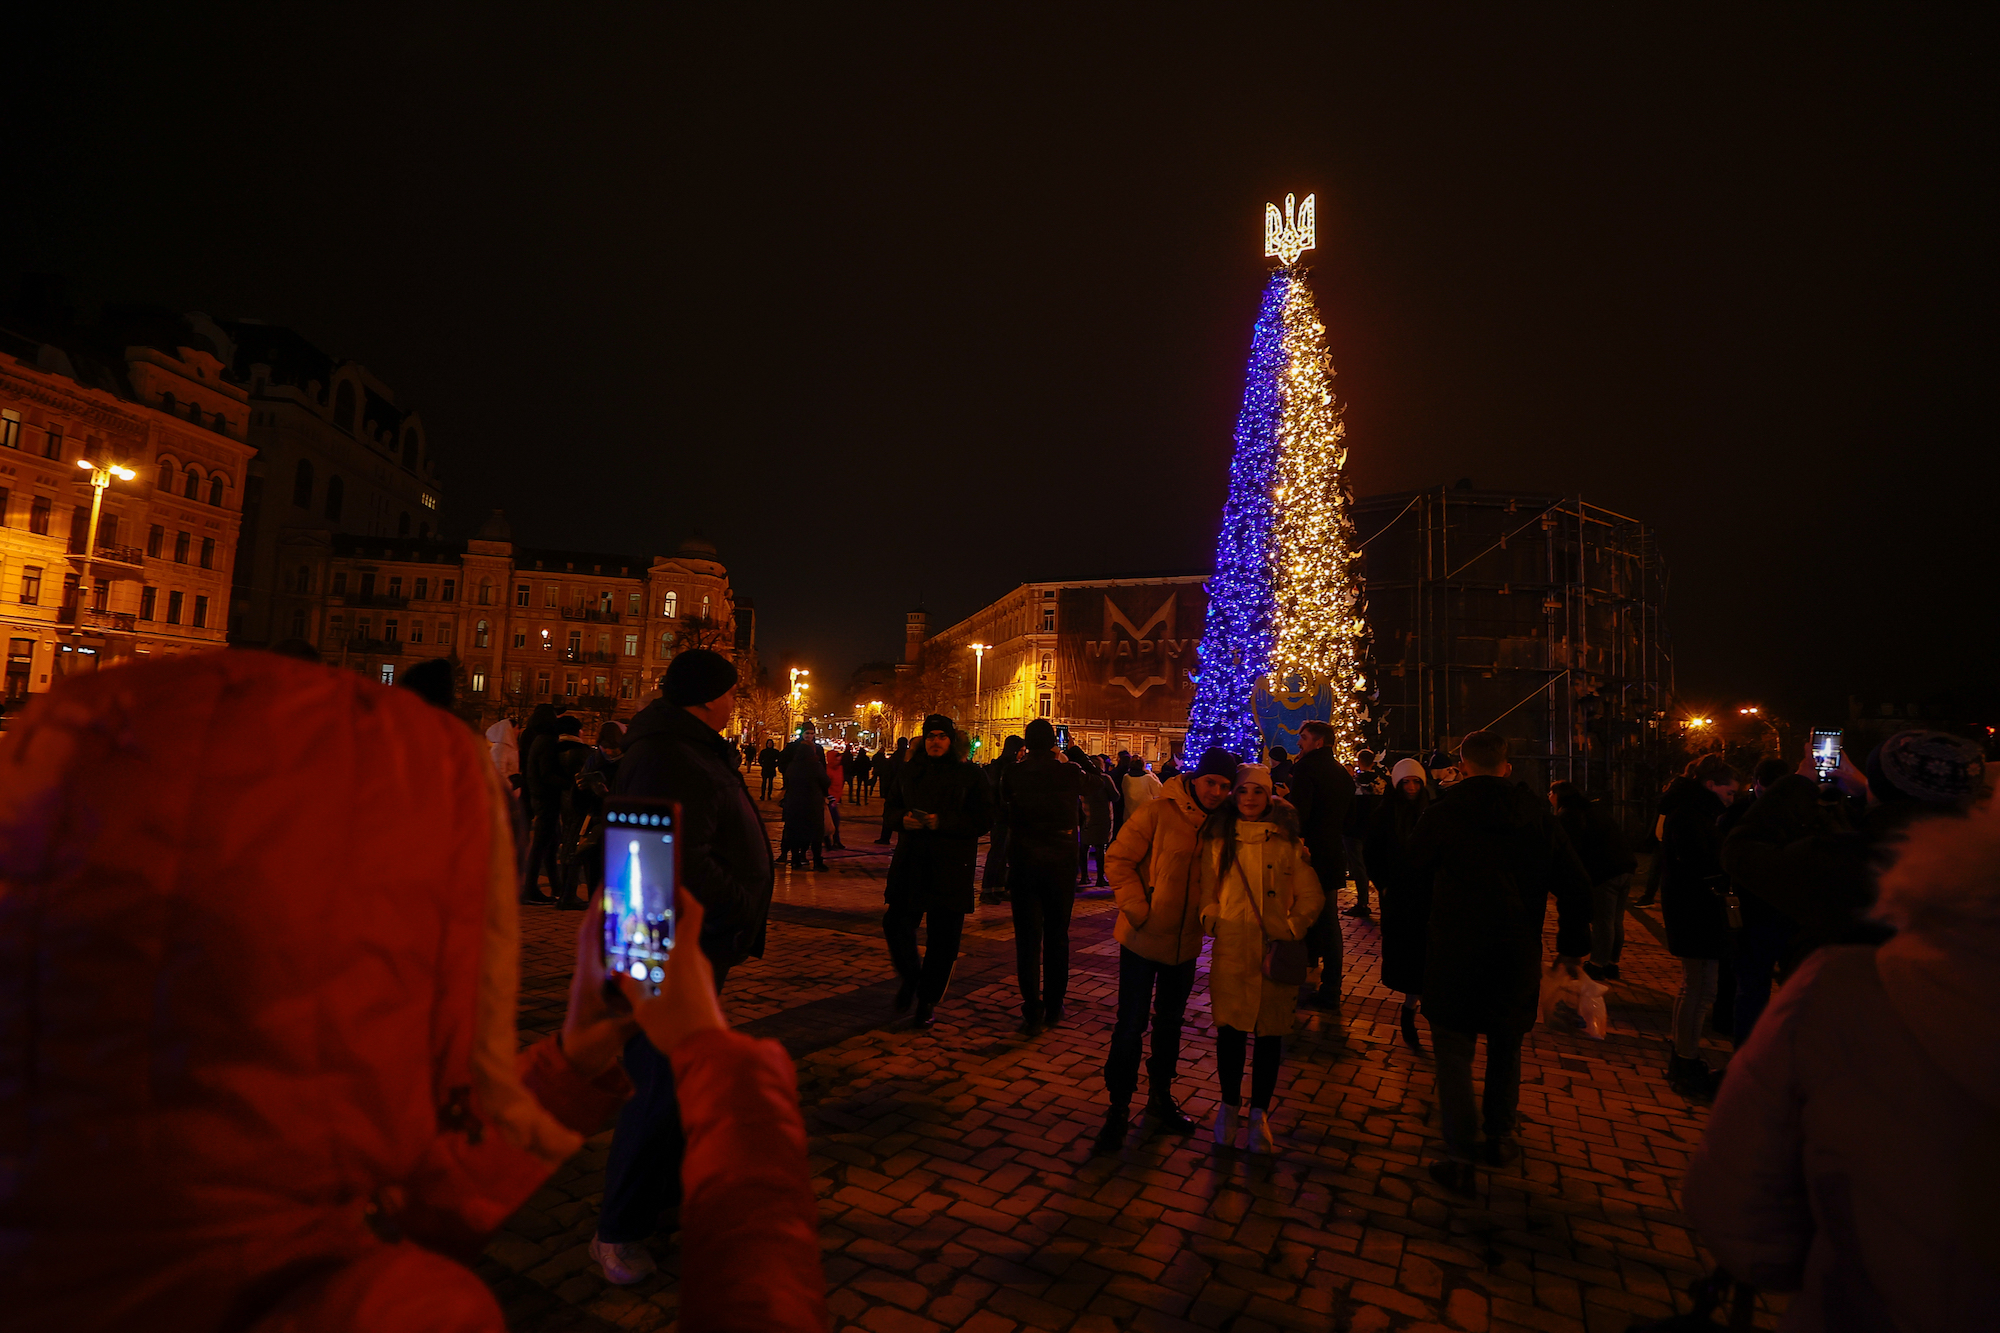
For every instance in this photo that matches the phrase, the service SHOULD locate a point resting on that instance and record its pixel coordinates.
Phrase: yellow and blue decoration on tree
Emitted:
(1285, 639)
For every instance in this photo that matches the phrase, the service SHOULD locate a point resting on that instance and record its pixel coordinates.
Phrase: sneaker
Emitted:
(1261, 1139)
(1168, 1118)
(1111, 1137)
(1225, 1126)
(1502, 1151)
(1456, 1177)
(623, 1264)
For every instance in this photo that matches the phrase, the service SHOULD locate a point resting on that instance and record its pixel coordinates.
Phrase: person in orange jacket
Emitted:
(258, 974)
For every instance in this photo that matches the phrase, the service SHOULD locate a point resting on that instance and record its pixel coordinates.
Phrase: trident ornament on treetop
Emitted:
(1285, 238)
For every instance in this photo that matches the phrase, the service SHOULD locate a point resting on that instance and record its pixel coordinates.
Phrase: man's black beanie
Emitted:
(698, 676)
(1217, 762)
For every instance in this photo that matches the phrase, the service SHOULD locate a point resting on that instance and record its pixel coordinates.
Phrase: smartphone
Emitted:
(1825, 754)
(641, 879)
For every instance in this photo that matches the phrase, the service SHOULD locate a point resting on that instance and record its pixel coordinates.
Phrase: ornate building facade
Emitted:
(1107, 661)
(335, 457)
(587, 631)
(152, 395)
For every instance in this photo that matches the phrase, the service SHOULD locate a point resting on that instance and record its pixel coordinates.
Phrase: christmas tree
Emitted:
(1285, 640)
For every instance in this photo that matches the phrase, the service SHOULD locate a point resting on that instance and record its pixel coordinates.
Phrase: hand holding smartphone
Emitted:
(640, 889)
(1825, 754)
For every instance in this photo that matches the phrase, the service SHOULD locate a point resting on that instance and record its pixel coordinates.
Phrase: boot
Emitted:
(819, 863)
(1167, 1116)
(1261, 1139)
(1111, 1136)
(1410, 1037)
(926, 1013)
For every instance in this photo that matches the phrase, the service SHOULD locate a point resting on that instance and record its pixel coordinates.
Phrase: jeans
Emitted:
(1084, 851)
(1041, 901)
(770, 776)
(1698, 976)
(1357, 870)
(1229, 1046)
(1164, 989)
(542, 850)
(1457, 1113)
(642, 1176)
(1607, 919)
(931, 970)
(1759, 950)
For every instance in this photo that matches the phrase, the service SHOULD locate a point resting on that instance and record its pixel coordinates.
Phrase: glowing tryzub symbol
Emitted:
(1285, 238)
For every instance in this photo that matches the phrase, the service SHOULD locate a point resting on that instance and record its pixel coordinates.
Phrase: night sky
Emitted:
(898, 307)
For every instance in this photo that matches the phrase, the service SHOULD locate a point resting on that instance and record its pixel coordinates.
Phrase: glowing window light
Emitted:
(1285, 238)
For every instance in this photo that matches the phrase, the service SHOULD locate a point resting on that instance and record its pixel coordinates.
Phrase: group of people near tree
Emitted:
(318, 1103)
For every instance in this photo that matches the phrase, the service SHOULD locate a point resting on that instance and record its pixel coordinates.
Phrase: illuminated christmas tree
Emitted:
(1285, 639)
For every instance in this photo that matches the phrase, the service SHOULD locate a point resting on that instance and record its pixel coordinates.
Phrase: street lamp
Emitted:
(796, 699)
(100, 477)
(978, 663)
(1777, 742)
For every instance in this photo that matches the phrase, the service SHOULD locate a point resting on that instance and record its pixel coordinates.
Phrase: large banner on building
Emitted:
(1125, 651)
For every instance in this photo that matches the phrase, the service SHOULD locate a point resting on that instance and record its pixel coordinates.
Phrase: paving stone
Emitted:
(958, 1188)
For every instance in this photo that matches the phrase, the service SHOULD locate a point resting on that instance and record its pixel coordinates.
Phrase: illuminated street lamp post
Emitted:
(795, 701)
(1777, 742)
(978, 662)
(100, 477)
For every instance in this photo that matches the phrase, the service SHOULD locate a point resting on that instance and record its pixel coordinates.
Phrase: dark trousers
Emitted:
(1162, 988)
(642, 1176)
(931, 970)
(1759, 949)
(1324, 946)
(1084, 851)
(1356, 867)
(1229, 1047)
(1458, 1113)
(1042, 900)
(542, 851)
(770, 776)
(996, 858)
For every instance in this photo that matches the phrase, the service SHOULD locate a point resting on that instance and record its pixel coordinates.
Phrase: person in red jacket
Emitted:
(258, 973)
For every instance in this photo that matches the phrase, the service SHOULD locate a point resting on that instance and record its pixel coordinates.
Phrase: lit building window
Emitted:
(430, 501)
(480, 636)
(631, 645)
(479, 682)
(388, 673)
(671, 606)
(1047, 706)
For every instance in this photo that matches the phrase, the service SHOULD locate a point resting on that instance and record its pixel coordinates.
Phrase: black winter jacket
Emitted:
(1598, 844)
(935, 866)
(725, 853)
(1042, 796)
(1494, 853)
(1692, 884)
(1322, 793)
(1403, 891)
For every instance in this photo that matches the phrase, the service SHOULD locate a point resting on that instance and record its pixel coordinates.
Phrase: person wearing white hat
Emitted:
(1258, 896)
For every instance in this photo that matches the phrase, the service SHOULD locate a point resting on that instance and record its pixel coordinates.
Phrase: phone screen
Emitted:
(1826, 754)
(639, 889)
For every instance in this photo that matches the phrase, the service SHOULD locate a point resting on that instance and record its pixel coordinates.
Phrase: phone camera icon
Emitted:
(659, 974)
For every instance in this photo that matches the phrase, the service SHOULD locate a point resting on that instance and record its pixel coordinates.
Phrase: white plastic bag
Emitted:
(1574, 1004)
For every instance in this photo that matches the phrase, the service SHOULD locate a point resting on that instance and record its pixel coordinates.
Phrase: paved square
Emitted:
(957, 1190)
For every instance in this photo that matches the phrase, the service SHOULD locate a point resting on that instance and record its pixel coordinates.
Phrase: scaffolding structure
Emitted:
(1541, 617)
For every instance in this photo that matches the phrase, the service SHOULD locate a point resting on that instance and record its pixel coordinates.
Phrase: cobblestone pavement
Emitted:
(957, 1189)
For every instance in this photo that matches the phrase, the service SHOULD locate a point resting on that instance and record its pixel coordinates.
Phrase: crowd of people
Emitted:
(322, 1164)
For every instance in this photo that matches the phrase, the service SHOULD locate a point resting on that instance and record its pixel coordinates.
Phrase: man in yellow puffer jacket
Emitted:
(1155, 878)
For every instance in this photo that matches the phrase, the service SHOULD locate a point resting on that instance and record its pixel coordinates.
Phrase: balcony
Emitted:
(111, 562)
(589, 655)
(378, 647)
(595, 703)
(595, 617)
(379, 599)
(121, 622)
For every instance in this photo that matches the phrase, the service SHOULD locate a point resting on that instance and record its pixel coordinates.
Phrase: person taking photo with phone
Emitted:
(943, 807)
(675, 750)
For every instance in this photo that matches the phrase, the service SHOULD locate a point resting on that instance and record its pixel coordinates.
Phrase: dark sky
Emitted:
(890, 306)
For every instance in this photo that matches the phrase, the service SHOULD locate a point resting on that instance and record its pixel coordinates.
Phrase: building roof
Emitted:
(290, 358)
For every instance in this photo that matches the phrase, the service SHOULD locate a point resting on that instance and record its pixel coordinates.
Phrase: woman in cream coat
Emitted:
(1256, 885)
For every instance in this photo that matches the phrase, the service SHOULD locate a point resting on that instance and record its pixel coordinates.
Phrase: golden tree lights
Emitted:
(1319, 633)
